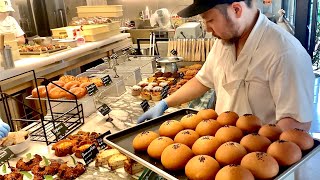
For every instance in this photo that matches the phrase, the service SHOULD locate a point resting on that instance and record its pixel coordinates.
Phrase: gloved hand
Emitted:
(154, 112)
(4, 129)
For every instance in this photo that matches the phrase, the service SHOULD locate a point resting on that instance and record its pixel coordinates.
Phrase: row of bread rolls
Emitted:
(77, 86)
(203, 141)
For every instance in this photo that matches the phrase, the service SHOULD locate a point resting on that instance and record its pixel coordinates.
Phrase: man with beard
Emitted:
(255, 67)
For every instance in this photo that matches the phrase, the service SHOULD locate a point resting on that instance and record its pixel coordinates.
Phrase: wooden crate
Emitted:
(103, 8)
(102, 14)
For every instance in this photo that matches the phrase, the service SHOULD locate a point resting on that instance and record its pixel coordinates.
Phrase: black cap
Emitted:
(201, 6)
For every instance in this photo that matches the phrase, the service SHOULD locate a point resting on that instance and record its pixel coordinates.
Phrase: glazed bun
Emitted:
(71, 85)
(143, 140)
(261, 165)
(298, 136)
(208, 127)
(59, 83)
(42, 92)
(234, 172)
(187, 137)
(57, 93)
(170, 128)
(202, 167)
(285, 152)
(190, 121)
(176, 156)
(206, 145)
(249, 123)
(254, 142)
(207, 114)
(228, 118)
(157, 146)
(229, 133)
(271, 131)
(78, 91)
(230, 153)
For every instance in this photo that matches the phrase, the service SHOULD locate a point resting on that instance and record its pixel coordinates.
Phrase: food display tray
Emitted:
(122, 141)
(44, 52)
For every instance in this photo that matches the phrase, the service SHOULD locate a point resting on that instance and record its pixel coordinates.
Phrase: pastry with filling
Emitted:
(26, 163)
(46, 167)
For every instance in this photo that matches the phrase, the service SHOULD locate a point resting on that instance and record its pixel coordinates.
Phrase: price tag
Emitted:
(106, 80)
(101, 144)
(145, 105)
(92, 89)
(175, 81)
(5, 155)
(60, 130)
(90, 154)
(166, 88)
(114, 56)
(174, 52)
(164, 92)
(181, 75)
(104, 109)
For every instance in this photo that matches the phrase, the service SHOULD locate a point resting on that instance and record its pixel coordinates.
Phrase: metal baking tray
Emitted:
(122, 141)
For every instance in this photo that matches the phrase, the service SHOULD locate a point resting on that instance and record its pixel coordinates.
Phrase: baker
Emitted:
(7, 23)
(255, 67)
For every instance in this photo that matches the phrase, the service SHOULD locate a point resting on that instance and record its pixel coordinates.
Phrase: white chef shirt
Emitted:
(9, 24)
(280, 74)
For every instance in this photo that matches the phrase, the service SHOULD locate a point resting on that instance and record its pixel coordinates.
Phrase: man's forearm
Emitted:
(191, 90)
(289, 123)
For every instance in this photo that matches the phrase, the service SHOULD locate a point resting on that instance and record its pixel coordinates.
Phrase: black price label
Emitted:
(145, 105)
(114, 56)
(5, 155)
(175, 81)
(174, 52)
(164, 92)
(92, 89)
(181, 75)
(104, 109)
(90, 154)
(60, 130)
(101, 144)
(106, 80)
(166, 88)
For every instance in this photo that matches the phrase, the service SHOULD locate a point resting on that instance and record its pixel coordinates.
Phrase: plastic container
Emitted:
(19, 148)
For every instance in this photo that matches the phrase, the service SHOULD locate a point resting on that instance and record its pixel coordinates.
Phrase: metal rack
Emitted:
(40, 126)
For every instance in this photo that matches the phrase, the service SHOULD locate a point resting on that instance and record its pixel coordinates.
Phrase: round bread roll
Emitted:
(78, 91)
(57, 93)
(170, 128)
(206, 145)
(271, 131)
(298, 136)
(234, 172)
(261, 165)
(190, 121)
(143, 140)
(176, 156)
(285, 152)
(202, 167)
(249, 123)
(42, 92)
(67, 78)
(157, 146)
(207, 114)
(59, 83)
(85, 84)
(187, 137)
(208, 127)
(230, 153)
(229, 133)
(71, 85)
(254, 142)
(228, 118)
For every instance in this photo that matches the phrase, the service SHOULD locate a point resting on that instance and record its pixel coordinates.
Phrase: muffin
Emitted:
(143, 84)
(142, 140)
(163, 84)
(135, 90)
(153, 84)
(170, 128)
(176, 156)
(156, 93)
(146, 93)
(187, 137)
(202, 167)
(208, 127)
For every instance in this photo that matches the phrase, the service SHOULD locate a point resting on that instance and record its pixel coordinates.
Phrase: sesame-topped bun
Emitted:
(157, 146)
(230, 153)
(207, 114)
(170, 128)
(202, 167)
(271, 131)
(298, 136)
(176, 156)
(261, 165)
(187, 137)
(190, 121)
(254, 142)
(208, 127)
(142, 140)
(229, 133)
(234, 172)
(228, 118)
(249, 123)
(206, 145)
(285, 152)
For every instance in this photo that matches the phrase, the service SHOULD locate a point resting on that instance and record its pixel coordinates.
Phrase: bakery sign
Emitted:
(60, 130)
(106, 80)
(5, 155)
(90, 154)
(145, 105)
(92, 89)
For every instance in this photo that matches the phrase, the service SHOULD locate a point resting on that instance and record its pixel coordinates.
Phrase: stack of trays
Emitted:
(104, 11)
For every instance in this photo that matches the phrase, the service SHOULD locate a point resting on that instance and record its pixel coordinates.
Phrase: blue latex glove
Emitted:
(4, 129)
(154, 112)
